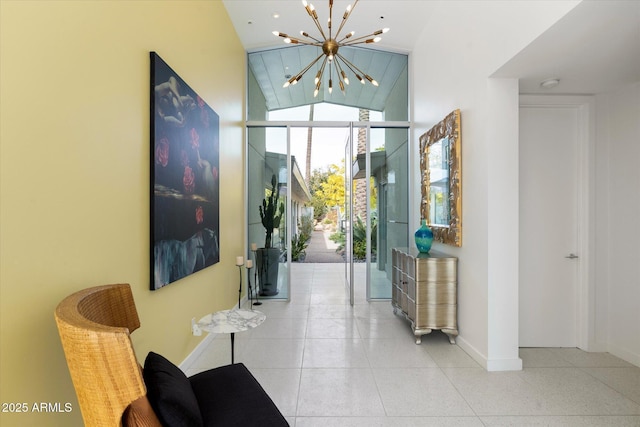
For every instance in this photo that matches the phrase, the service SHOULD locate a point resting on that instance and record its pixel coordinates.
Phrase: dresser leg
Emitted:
(419, 333)
(452, 334)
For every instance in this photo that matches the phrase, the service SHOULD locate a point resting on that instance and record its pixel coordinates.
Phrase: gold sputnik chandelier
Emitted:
(330, 44)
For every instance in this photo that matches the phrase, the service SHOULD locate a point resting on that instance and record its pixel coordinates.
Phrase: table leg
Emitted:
(233, 335)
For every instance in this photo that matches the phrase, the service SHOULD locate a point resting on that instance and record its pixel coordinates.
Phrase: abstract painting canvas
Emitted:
(185, 180)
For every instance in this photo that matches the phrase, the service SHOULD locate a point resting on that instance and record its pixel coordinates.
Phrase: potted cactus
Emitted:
(268, 258)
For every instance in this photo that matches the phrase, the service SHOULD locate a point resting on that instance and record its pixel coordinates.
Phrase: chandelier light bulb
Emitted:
(344, 77)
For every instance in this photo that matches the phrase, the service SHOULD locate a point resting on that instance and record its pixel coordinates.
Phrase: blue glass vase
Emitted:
(424, 237)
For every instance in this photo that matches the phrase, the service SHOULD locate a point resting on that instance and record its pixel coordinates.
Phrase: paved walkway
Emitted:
(321, 249)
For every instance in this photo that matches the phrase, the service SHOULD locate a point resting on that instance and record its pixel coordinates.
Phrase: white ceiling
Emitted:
(254, 21)
(594, 48)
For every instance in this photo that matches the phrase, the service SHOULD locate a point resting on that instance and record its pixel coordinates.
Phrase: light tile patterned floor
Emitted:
(327, 364)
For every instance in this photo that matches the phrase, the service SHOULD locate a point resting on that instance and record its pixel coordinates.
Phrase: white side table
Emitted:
(230, 322)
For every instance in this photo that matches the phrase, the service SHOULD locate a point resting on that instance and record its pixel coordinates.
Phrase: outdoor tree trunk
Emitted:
(360, 199)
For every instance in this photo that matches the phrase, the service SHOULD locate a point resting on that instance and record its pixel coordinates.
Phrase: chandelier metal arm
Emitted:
(319, 77)
(304, 70)
(345, 17)
(330, 16)
(336, 65)
(355, 73)
(342, 73)
(352, 66)
(305, 34)
(369, 38)
(314, 16)
(295, 40)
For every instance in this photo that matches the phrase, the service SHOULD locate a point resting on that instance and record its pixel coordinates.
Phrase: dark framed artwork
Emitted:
(185, 182)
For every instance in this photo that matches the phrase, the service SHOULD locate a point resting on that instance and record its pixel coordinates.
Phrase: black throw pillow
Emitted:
(170, 393)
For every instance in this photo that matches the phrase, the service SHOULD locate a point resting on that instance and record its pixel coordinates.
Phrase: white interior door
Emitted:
(548, 226)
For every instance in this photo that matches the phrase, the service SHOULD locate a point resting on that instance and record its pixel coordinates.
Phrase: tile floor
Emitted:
(327, 364)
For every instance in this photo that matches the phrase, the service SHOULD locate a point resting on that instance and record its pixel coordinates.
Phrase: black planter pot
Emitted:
(267, 261)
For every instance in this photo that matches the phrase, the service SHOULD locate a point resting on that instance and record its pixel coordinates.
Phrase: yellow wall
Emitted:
(74, 183)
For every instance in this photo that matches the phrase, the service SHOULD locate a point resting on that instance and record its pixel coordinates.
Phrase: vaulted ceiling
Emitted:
(272, 68)
(592, 49)
(271, 60)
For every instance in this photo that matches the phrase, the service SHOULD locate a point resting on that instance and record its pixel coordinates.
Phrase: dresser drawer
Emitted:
(404, 304)
(435, 316)
(411, 312)
(395, 295)
(411, 288)
(404, 280)
(436, 270)
(396, 275)
(435, 293)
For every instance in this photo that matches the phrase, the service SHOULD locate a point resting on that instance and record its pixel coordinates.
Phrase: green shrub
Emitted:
(306, 227)
(298, 247)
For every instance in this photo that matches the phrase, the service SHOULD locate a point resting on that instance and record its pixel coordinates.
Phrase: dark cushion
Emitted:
(231, 396)
(170, 393)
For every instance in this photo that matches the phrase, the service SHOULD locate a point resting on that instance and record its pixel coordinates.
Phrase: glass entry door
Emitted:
(268, 205)
(348, 215)
(278, 196)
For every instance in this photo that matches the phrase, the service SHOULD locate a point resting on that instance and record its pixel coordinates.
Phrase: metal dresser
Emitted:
(425, 291)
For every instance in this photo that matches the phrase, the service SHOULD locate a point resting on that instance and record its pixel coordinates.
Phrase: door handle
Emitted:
(572, 256)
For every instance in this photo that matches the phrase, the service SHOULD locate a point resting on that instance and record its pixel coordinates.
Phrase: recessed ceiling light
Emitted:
(549, 83)
(276, 15)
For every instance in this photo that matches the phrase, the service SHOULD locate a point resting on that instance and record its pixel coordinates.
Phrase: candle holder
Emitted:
(240, 287)
(249, 265)
(255, 278)
(239, 263)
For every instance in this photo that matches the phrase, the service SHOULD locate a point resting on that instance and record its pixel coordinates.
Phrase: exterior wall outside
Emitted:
(74, 176)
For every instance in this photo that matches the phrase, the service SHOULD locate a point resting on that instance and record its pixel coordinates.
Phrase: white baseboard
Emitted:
(196, 353)
(498, 365)
(491, 365)
(625, 355)
(471, 351)
(202, 345)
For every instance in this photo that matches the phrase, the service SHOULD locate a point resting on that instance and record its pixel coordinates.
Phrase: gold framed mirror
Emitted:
(440, 168)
